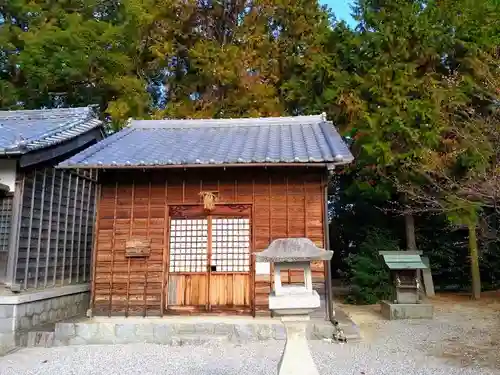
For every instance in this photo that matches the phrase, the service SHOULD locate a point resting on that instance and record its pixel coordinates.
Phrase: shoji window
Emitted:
(231, 245)
(188, 245)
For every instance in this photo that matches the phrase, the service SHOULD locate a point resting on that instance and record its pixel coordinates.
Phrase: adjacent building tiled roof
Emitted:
(300, 140)
(28, 130)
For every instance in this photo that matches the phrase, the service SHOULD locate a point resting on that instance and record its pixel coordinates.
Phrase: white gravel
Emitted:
(454, 343)
(224, 359)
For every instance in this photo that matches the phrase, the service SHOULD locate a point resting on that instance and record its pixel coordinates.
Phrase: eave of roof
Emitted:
(45, 128)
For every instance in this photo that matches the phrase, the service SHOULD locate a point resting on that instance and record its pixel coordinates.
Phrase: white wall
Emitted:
(8, 173)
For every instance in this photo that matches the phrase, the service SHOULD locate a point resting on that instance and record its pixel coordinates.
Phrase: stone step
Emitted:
(42, 339)
(195, 339)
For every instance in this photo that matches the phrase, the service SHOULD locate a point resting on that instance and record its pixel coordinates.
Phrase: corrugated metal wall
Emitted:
(56, 225)
(5, 223)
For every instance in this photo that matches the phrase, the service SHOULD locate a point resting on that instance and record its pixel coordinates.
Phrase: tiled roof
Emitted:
(302, 139)
(28, 130)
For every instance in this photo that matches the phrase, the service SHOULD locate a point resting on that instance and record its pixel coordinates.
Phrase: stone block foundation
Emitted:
(178, 331)
(393, 311)
(29, 311)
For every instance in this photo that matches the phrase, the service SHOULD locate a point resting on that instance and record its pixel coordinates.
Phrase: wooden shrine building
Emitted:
(184, 203)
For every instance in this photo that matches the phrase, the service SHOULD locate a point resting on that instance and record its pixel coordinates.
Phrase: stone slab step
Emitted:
(197, 339)
(40, 339)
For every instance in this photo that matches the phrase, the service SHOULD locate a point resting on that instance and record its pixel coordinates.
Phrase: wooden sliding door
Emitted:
(209, 263)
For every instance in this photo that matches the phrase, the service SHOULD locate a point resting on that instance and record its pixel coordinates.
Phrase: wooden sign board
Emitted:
(138, 247)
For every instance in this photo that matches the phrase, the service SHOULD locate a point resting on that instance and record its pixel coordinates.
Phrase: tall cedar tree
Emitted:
(418, 70)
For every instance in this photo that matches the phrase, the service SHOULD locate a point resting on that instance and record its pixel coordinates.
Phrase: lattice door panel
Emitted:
(230, 245)
(188, 245)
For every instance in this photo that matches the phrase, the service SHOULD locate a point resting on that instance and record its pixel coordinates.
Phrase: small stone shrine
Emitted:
(294, 303)
(406, 301)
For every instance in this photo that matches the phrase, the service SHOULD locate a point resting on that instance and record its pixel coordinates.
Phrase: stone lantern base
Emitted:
(295, 312)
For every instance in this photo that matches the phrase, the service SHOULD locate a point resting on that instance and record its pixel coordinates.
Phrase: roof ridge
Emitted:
(39, 113)
(243, 122)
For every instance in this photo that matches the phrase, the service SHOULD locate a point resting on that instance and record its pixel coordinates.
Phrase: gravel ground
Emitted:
(380, 358)
(462, 339)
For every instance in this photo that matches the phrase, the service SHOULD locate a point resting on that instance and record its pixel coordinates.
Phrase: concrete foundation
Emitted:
(393, 311)
(25, 312)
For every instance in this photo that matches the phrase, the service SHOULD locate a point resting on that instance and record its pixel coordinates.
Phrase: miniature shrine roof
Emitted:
(293, 250)
(403, 260)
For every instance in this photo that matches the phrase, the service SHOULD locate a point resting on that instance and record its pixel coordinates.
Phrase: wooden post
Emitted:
(271, 267)
(66, 230)
(113, 245)
(147, 258)
(77, 185)
(17, 209)
(289, 274)
(49, 232)
(87, 214)
(30, 228)
(54, 278)
(209, 260)
(165, 261)
(40, 229)
(131, 230)
(93, 256)
(253, 250)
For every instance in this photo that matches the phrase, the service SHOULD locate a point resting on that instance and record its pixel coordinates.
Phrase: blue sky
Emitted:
(341, 9)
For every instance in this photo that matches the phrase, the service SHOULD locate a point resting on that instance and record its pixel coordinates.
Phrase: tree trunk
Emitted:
(474, 261)
(411, 243)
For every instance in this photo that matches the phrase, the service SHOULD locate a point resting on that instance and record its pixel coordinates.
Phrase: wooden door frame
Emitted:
(197, 211)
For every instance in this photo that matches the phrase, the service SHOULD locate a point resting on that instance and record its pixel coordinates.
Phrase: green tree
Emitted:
(68, 54)
(234, 58)
(417, 73)
(159, 57)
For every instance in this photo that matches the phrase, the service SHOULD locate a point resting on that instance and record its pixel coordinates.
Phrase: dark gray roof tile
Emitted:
(28, 130)
(302, 139)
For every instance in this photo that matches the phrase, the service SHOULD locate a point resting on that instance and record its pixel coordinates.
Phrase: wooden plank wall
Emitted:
(287, 203)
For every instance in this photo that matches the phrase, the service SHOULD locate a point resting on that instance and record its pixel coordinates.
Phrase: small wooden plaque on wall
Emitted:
(138, 247)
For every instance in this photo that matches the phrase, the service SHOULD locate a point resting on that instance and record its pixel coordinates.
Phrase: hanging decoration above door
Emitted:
(209, 198)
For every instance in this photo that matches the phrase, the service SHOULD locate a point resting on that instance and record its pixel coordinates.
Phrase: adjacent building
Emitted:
(46, 217)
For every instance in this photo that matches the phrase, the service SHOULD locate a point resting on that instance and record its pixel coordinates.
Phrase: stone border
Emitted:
(59, 291)
(171, 333)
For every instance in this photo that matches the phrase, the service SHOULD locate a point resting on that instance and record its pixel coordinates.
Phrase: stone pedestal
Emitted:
(296, 358)
(394, 311)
